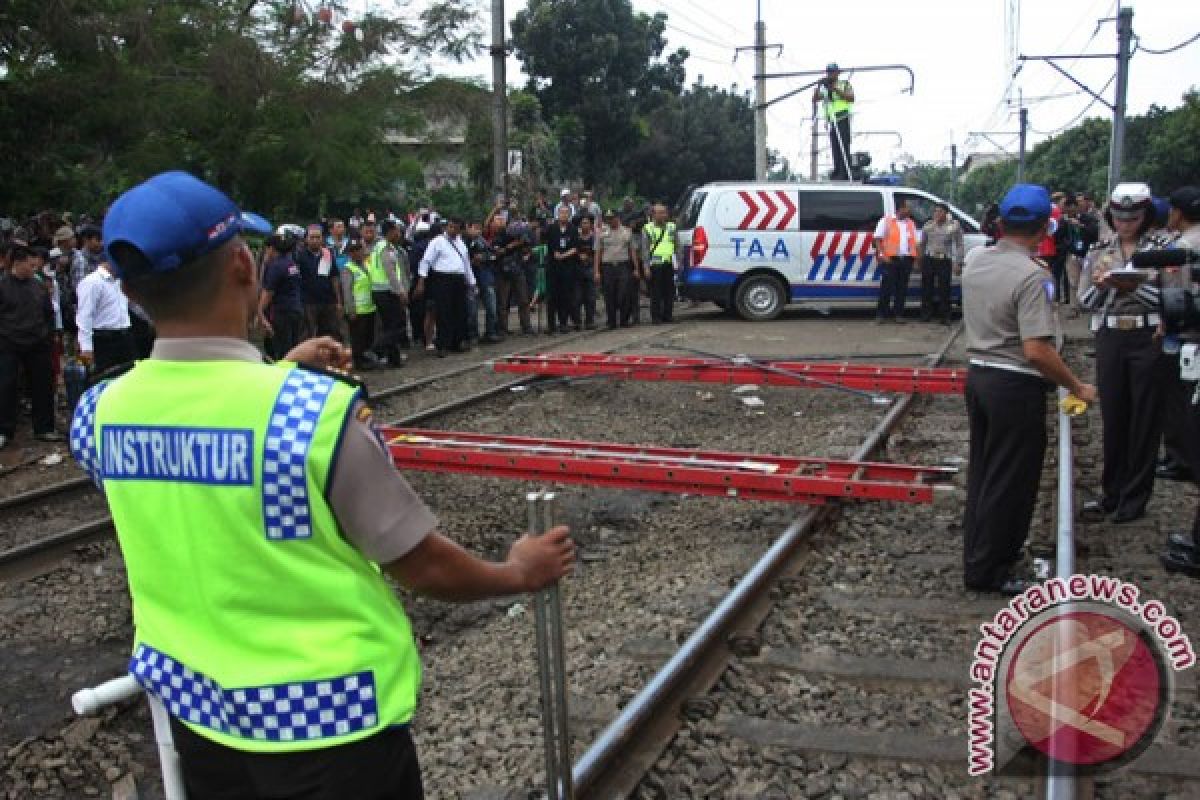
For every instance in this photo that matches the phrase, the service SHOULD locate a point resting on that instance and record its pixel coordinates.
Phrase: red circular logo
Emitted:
(1086, 688)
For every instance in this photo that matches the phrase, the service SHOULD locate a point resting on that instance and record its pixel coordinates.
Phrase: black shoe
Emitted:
(591, 326)
(1181, 541)
(1172, 472)
(1122, 517)
(1098, 507)
(1179, 561)
(1012, 587)
(491, 338)
(898, 321)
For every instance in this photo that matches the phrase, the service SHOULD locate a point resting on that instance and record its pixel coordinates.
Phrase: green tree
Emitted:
(595, 67)
(281, 109)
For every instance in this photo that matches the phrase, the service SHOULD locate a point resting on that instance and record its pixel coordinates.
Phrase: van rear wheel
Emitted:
(760, 298)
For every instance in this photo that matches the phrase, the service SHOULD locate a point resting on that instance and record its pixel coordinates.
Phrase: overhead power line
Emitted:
(1077, 117)
(1142, 48)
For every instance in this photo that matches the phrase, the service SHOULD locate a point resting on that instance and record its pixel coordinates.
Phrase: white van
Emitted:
(755, 247)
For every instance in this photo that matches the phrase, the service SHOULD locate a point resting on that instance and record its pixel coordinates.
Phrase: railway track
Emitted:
(27, 551)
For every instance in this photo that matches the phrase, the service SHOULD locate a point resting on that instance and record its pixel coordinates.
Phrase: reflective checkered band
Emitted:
(284, 712)
(286, 512)
(83, 433)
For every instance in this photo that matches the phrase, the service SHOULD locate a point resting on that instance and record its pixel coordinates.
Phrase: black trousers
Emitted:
(614, 281)
(893, 288)
(380, 767)
(511, 288)
(112, 348)
(587, 292)
(839, 143)
(662, 292)
(1006, 412)
(562, 285)
(1062, 283)
(143, 335)
(1130, 379)
(362, 335)
(322, 320)
(448, 293)
(289, 331)
(393, 324)
(936, 274)
(38, 363)
(631, 303)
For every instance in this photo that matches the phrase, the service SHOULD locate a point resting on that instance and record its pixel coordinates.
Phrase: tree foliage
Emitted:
(279, 108)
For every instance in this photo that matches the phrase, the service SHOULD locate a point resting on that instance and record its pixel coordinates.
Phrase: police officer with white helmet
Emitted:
(1129, 359)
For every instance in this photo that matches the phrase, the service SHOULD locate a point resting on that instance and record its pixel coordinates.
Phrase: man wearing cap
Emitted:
(257, 527)
(1183, 547)
(26, 323)
(1129, 358)
(1008, 314)
(838, 97)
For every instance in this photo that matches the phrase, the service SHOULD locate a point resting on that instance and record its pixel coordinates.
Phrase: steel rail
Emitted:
(627, 749)
(42, 492)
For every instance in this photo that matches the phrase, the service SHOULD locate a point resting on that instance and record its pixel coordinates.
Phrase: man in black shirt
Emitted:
(26, 317)
(562, 273)
(320, 287)
(510, 276)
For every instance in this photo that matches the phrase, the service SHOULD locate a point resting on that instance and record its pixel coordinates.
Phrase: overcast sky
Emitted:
(958, 50)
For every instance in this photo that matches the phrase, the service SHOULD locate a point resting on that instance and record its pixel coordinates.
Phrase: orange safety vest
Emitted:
(891, 239)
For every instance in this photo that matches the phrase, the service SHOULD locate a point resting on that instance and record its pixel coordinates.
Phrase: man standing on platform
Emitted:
(838, 97)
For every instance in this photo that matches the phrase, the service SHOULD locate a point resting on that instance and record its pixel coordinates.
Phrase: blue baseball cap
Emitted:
(173, 219)
(1026, 202)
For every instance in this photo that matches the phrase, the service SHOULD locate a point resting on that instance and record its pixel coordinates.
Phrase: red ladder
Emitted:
(661, 469)
(739, 370)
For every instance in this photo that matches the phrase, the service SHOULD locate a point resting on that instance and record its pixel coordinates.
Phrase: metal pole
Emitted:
(760, 97)
(953, 170)
(1060, 777)
(1117, 150)
(499, 101)
(816, 145)
(552, 677)
(1024, 116)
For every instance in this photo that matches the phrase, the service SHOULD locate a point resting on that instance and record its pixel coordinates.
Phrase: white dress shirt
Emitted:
(102, 307)
(447, 256)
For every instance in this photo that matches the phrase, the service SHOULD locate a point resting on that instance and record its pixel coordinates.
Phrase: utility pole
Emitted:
(1117, 150)
(953, 170)
(499, 101)
(1023, 114)
(760, 97)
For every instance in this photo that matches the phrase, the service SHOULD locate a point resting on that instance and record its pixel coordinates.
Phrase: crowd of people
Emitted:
(380, 283)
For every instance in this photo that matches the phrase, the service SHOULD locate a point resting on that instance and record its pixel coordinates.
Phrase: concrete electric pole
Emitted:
(499, 101)
(1117, 150)
(760, 97)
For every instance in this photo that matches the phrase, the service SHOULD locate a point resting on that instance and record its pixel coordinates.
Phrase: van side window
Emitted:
(920, 206)
(840, 211)
(691, 210)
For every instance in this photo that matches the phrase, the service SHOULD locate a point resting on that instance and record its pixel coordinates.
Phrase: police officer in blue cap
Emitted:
(1009, 318)
(259, 517)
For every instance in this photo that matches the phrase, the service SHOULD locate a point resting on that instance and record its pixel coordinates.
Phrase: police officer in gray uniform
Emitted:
(1008, 311)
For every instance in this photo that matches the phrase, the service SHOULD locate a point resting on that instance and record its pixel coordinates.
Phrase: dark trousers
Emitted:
(393, 325)
(448, 293)
(562, 286)
(662, 292)
(935, 288)
(380, 767)
(587, 293)
(143, 335)
(839, 143)
(416, 313)
(112, 348)
(1062, 284)
(614, 282)
(893, 288)
(1130, 378)
(631, 303)
(322, 320)
(37, 361)
(288, 329)
(510, 288)
(1006, 412)
(362, 335)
